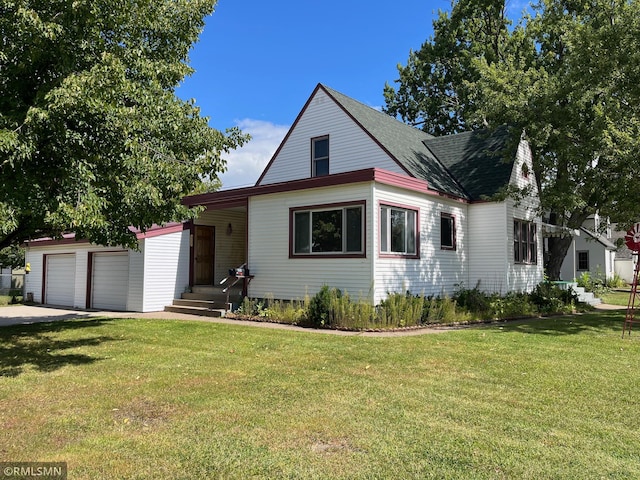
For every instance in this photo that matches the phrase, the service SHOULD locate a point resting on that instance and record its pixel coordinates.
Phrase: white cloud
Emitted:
(245, 164)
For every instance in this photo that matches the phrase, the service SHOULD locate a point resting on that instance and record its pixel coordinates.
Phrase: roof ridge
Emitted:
(389, 118)
(403, 143)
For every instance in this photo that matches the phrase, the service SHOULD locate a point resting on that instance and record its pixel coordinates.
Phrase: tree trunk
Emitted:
(558, 247)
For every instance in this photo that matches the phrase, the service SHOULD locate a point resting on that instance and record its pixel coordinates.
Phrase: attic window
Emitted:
(525, 170)
(320, 156)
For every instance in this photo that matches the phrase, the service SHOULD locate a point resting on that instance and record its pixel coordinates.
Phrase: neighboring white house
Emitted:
(353, 199)
(591, 252)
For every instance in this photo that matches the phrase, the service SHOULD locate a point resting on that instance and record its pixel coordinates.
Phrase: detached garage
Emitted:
(78, 274)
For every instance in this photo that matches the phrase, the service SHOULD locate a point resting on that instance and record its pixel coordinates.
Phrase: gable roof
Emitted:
(404, 143)
(604, 241)
(468, 165)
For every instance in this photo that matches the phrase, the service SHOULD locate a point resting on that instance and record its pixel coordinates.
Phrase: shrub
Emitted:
(346, 313)
(616, 281)
(511, 305)
(401, 310)
(473, 300)
(550, 298)
(319, 310)
(277, 310)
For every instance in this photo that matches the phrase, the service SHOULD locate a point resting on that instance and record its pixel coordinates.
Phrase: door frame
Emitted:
(192, 259)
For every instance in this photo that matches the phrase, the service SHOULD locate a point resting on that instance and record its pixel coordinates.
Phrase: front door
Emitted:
(204, 237)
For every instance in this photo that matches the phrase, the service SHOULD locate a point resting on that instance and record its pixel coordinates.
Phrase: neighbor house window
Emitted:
(525, 242)
(336, 230)
(447, 232)
(583, 260)
(398, 230)
(320, 156)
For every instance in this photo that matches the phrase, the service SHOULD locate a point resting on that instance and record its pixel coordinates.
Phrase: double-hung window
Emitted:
(525, 242)
(398, 230)
(447, 232)
(329, 230)
(320, 156)
(583, 260)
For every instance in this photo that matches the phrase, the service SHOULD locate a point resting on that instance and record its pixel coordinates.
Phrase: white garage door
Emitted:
(60, 281)
(110, 281)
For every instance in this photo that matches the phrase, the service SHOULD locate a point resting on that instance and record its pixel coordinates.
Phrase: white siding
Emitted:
(136, 278)
(166, 269)
(488, 247)
(291, 278)
(601, 262)
(437, 271)
(350, 148)
(522, 277)
(230, 249)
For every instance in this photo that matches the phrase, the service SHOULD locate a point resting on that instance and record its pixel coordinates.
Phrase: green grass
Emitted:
(554, 398)
(615, 298)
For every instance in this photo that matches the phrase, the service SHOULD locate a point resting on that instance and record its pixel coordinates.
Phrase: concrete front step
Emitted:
(585, 297)
(201, 311)
(210, 304)
(211, 297)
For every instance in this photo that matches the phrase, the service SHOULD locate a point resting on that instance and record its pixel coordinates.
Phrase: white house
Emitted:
(590, 252)
(353, 199)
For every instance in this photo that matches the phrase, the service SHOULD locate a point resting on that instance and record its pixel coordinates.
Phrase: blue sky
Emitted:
(258, 61)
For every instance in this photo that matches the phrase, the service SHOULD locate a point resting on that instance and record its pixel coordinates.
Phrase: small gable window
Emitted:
(447, 232)
(320, 156)
(398, 231)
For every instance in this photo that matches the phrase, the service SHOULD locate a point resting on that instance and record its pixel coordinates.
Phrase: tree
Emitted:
(568, 75)
(12, 257)
(93, 139)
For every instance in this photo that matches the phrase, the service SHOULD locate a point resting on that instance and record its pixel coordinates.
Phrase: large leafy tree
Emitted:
(569, 76)
(93, 138)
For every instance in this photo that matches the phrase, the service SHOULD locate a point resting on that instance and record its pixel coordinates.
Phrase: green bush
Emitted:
(330, 307)
(472, 300)
(616, 282)
(550, 298)
(511, 305)
(401, 310)
(319, 310)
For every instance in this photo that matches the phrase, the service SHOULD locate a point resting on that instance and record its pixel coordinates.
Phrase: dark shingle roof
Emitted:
(479, 160)
(465, 165)
(401, 141)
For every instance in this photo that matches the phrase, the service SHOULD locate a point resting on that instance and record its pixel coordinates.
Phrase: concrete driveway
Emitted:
(26, 314)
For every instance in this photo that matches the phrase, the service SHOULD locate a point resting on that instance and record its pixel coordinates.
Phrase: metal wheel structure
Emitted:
(632, 240)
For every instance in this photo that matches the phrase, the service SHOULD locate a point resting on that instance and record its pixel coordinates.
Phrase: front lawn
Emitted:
(553, 398)
(615, 297)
